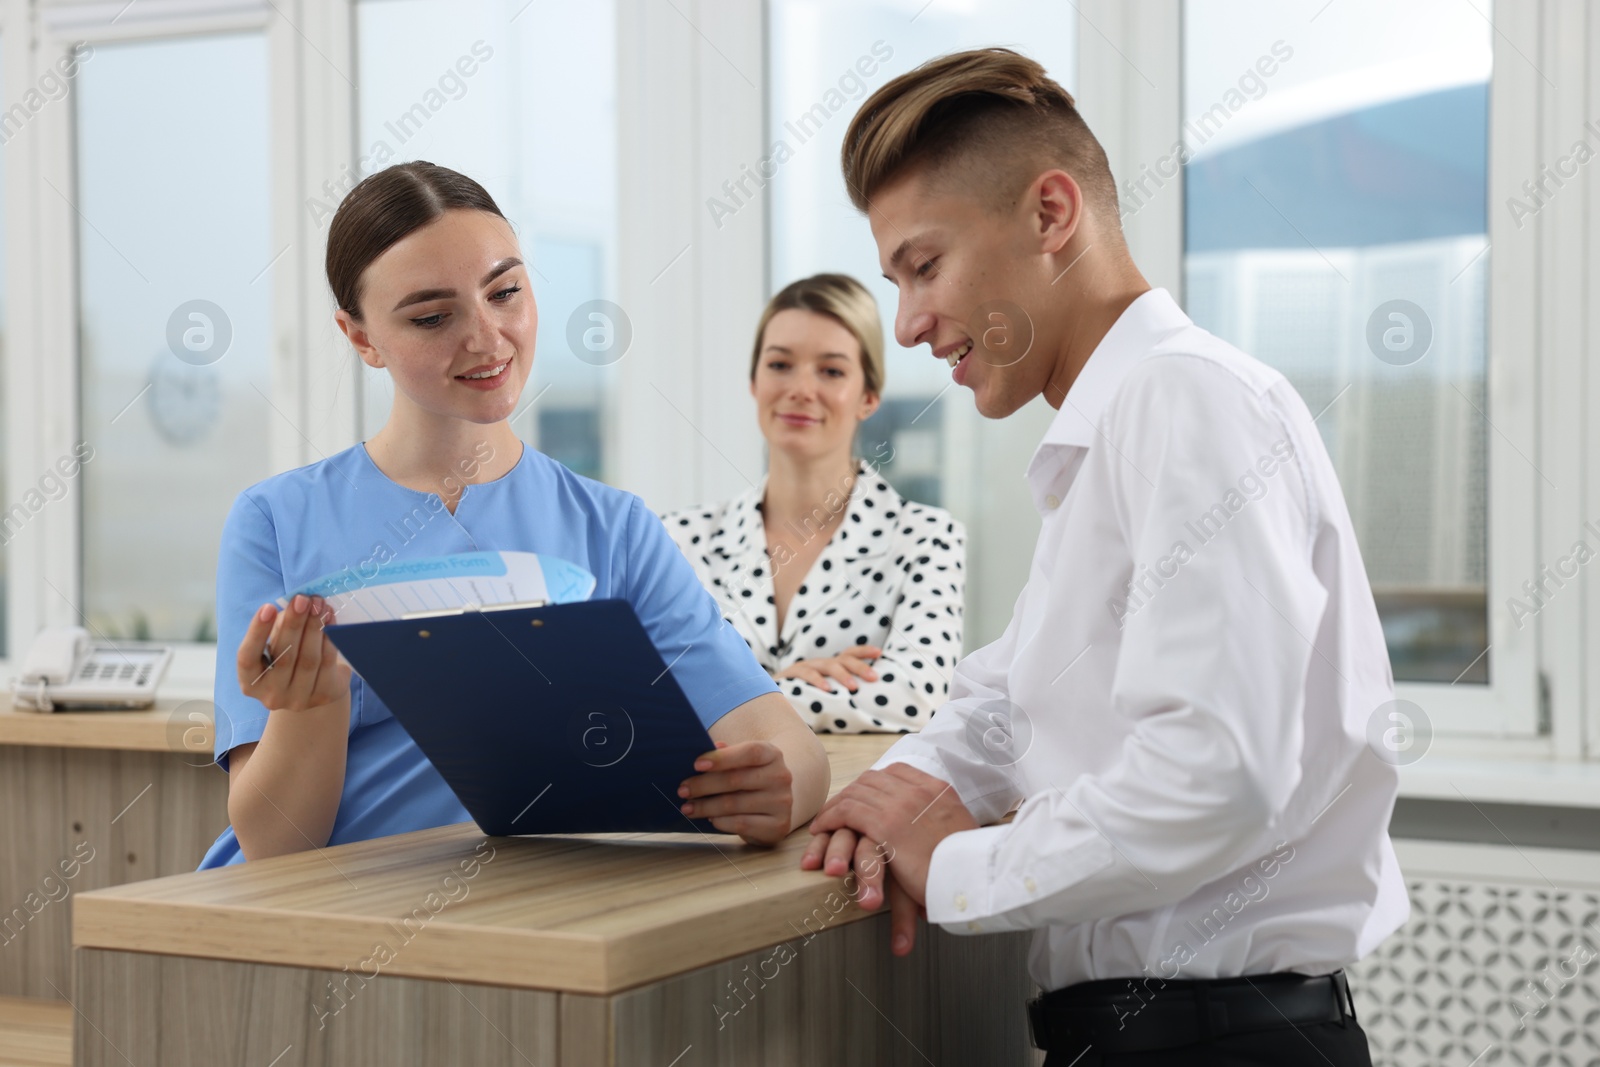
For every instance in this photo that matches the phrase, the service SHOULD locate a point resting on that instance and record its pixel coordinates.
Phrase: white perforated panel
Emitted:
(1499, 963)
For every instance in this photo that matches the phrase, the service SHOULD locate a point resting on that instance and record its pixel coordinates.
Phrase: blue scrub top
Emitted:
(345, 512)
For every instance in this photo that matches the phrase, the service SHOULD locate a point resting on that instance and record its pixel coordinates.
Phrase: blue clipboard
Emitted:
(543, 720)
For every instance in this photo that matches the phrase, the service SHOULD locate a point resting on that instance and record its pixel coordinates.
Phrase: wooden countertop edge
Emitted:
(159, 730)
(543, 959)
(552, 960)
(650, 956)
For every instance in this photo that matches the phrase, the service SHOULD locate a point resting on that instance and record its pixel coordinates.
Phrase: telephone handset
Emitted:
(65, 669)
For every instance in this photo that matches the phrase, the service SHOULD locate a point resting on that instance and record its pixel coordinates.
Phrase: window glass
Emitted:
(175, 289)
(522, 98)
(1336, 227)
(6, 532)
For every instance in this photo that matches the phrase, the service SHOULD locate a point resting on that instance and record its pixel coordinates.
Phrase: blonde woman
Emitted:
(849, 594)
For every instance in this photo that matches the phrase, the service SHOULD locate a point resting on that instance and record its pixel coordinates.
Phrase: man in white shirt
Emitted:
(1178, 711)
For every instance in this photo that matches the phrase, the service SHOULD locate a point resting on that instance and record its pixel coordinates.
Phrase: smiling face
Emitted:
(809, 385)
(449, 312)
(976, 280)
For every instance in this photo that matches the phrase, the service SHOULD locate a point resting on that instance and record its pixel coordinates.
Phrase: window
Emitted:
(942, 450)
(4, 534)
(523, 99)
(1336, 227)
(174, 298)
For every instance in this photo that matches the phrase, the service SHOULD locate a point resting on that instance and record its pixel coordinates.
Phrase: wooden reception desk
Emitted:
(89, 800)
(444, 946)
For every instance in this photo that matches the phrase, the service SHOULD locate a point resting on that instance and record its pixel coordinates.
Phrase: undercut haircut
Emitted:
(986, 122)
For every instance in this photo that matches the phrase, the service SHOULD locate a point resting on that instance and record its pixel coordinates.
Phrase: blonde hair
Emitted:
(990, 119)
(846, 301)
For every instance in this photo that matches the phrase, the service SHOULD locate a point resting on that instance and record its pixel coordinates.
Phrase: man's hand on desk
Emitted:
(910, 812)
(744, 789)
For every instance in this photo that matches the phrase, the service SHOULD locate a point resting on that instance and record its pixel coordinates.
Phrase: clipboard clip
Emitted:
(480, 608)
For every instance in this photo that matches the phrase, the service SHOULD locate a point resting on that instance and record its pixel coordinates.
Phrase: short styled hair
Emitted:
(988, 120)
(846, 301)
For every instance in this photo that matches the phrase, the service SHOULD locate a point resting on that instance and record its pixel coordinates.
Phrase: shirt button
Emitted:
(1030, 885)
(976, 928)
(1052, 502)
(961, 902)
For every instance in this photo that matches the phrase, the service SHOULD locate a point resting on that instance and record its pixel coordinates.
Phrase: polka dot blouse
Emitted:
(891, 576)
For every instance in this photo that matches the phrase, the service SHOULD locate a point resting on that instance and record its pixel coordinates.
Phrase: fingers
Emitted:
(835, 668)
(867, 789)
(726, 757)
(858, 660)
(861, 816)
(761, 817)
(807, 672)
(287, 632)
(870, 873)
(844, 668)
(841, 848)
(300, 651)
(904, 913)
(811, 858)
(750, 793)
(768, 776)
(253, 645)
(307, 658)
(750, 765)
(858, 668)
(333, 678)
(755, 829)
(775, 803)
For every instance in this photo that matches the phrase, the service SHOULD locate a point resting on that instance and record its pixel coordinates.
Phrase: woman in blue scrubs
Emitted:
(431, 285)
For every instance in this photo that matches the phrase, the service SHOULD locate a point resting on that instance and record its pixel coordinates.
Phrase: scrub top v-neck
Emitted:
(344, 512)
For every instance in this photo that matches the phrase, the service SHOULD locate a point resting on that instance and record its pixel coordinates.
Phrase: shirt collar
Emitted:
(1151, 318)
(1142, 325)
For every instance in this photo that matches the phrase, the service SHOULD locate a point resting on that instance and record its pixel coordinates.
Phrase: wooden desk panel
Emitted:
(90, 800)
(35, 1033)
(592, 914)
(840, 1000)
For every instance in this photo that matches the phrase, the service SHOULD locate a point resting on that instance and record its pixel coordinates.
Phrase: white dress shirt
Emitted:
(891, 576)
(1183, 692)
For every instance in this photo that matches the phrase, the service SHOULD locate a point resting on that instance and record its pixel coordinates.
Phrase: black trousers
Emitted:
(1340, 1044)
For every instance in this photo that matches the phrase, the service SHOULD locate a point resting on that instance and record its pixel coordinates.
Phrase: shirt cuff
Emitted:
(959, 880)
(965, 893)
(229, 733)
(925, 764)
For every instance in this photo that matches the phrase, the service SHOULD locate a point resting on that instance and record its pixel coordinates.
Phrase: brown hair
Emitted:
(846, 301)
(385, 207)
(991, 118)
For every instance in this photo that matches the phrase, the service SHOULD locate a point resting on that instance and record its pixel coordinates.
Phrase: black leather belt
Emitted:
(1145, 1014)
